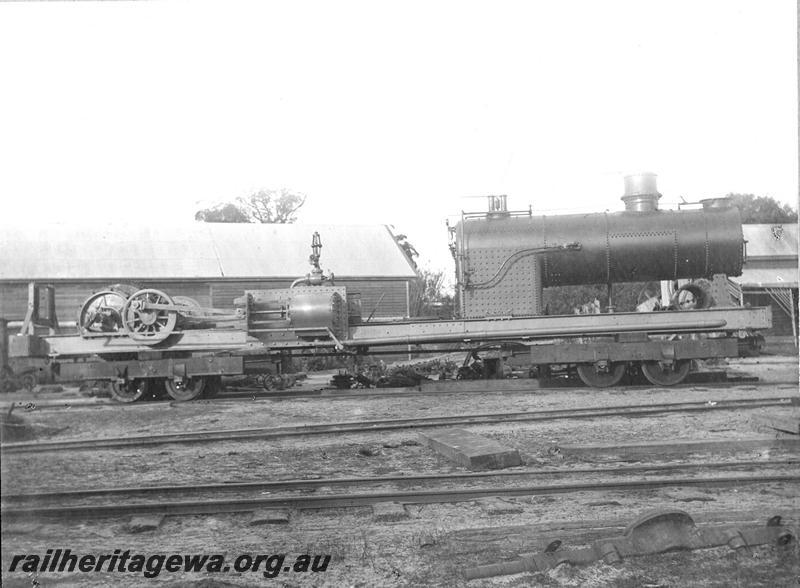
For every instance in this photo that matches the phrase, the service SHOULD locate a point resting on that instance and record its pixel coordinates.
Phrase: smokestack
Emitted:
(641, 193)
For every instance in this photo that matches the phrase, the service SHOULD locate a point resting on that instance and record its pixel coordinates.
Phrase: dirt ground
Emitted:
(434, 543)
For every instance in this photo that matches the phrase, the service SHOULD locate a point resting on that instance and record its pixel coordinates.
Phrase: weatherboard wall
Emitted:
(388, 297)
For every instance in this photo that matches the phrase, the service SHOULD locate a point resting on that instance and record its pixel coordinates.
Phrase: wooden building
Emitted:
(210, 262)
(770, 273)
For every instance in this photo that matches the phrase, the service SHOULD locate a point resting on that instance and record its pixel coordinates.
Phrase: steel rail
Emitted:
(391, 424)
(364, 499)
(257, 393)
(304, 484)
(429, 389)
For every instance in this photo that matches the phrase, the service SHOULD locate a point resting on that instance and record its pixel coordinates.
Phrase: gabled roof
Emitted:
(196, 250)
(774, 241)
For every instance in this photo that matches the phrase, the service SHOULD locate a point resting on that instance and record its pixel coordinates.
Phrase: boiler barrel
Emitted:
(614, 247)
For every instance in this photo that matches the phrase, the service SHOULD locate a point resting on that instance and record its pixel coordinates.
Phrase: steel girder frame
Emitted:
(720, 320)
(579, 352)
(153, 368)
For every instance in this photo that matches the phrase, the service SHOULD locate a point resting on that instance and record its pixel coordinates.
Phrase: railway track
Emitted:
(432, 388)
(238, 394)
(119, 503)
(314, 484)
(393, 424)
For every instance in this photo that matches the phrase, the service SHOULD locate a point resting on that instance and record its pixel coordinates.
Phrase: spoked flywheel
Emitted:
(101, 314)
(666, 373)
(149, 316)
(186, 389)
(597, 375)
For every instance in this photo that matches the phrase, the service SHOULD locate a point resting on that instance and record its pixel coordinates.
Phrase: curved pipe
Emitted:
(515, 257)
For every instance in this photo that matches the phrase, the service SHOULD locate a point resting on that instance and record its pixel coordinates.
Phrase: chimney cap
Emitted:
(641, 192)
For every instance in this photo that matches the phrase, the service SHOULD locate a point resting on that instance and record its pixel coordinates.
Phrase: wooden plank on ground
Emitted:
(470, 450)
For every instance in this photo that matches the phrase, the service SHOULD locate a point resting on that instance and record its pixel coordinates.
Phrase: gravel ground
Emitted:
(437, 541)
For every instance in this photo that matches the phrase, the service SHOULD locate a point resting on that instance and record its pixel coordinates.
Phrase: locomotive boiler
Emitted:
(504, 259)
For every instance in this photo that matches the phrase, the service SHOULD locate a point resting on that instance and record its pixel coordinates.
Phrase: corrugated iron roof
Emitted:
(196, 250)
(765, 240)
(767, 278)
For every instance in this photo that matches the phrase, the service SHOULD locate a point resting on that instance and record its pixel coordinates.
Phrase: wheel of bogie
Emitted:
(594, 377)
(666, 373)
(149, 325)
(186, 389)
(101, 313)
(129, 390)
(28, 381)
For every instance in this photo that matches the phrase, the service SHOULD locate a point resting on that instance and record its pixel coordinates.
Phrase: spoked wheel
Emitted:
(186, 389)
(265, 381)
(666, 373)
(28, 381)
(145, 318)
(101, 314)
(189, 312)
(191, 307)
(596, 377)
(129, 390)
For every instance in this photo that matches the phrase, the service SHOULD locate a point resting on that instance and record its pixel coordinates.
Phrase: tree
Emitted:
(763, 209)
(264, 206)
(564, 299)
(431, 298)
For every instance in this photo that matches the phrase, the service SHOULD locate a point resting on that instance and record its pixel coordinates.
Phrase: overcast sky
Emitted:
(390, 112)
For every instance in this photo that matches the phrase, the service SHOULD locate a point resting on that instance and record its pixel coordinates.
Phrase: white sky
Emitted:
(390, 112)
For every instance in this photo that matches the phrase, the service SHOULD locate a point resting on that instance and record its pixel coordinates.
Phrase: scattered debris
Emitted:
(389, 511)
(653, 532)
(369, 451)
(496, 507)
(145, 523)
(604, 503)
(410, 443)
(269, 516)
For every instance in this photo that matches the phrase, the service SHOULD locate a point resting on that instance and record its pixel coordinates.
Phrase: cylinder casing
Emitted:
(317, 309)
